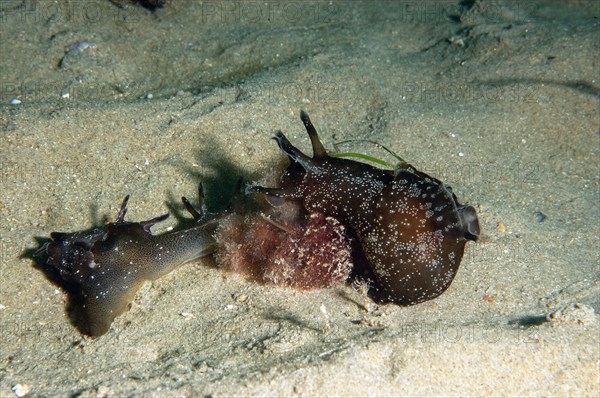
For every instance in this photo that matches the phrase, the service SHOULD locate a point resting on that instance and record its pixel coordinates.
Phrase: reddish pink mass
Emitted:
(312, 252)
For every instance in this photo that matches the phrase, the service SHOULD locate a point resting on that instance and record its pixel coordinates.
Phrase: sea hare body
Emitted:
(411, 228)
(109, 264)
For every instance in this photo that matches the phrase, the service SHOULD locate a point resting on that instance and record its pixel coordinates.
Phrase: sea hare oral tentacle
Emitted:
(411, 228)
(110, 263)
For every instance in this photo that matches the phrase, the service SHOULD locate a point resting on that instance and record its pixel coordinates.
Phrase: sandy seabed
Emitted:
(498, 99)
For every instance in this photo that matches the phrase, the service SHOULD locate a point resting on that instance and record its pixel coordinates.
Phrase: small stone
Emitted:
(541, 217)
(456, 41)
(489, 298)
(21, 390)
(240, 297)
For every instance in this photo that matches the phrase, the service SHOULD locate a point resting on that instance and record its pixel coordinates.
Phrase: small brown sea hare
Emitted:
(109, 264)
(410, 226)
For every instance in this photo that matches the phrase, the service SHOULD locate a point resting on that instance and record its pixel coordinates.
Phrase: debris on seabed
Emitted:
(81, 46)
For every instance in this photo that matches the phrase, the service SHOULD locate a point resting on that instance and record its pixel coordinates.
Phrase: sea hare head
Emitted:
(411, 228)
